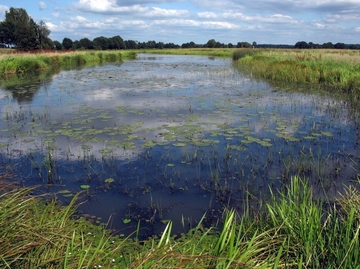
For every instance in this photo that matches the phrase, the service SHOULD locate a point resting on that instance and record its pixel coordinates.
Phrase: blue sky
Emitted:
(182, 21)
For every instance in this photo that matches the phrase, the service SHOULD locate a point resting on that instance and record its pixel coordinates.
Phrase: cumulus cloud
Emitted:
(42, 5)
(2, 11)
(207, 15)
(182, 21)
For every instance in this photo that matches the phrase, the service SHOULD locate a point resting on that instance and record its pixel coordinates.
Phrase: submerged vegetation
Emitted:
(27, 62)
(339, 70)
(291, 230)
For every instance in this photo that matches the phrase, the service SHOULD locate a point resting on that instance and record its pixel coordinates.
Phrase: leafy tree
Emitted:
(116, 42)
(340, 46)
(86, 43)
(160, 45)
(211, 43)
(243, 45)
(21, 31)
(302, 45)
(131, 44)
(67, 43)
(101, 43)
(42, 32)
(328, 45)
(76, 45)
(57, 45)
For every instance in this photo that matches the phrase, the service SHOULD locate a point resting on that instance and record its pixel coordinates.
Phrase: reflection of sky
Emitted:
(96, 121)
(153, 94)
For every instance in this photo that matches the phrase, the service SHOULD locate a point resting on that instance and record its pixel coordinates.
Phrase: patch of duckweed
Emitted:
(148, 144)
(2, 144)
(106, 151)
(328, 134)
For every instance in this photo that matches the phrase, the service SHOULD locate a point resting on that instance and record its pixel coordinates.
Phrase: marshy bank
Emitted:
(15, 63)
(334, 70)
(291, 230)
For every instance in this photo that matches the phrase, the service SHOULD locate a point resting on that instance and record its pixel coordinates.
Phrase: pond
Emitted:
(166, 137)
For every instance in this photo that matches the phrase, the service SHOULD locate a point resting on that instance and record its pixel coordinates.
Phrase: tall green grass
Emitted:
(336, 70)
(292, 230)
(24, 63)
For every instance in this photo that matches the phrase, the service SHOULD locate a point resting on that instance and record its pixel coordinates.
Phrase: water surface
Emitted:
(166, 137)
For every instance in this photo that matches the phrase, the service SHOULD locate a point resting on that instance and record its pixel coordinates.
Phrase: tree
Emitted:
(101, 43)
(116, 42)
(19, 30)
(131, 44)
(67, 43)
(86, 43)
(211, 43)
(302, 45)
(340, 46)
(243, 45)
(76, 45)
(42, 32)
(328, 45)
(57, 45)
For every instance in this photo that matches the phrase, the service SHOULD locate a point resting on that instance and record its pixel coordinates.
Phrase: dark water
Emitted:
(171, 138)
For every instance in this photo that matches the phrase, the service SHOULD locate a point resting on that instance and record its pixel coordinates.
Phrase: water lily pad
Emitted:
(126, 221)
(85, 147)
(109, 180)
(85, 186)
(179, 144)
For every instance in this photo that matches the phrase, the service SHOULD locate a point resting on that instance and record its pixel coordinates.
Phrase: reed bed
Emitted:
(27, 62)
(292, 230)
(334, 69)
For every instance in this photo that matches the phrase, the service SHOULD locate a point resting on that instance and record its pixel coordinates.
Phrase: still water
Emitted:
(166, 137)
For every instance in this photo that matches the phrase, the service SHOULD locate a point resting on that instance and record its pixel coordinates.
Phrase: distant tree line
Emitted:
(19, 31)
(328, 45)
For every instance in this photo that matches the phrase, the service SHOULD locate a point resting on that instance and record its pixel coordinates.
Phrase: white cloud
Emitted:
(207, 15)
(2, 12)
(180, 21)
(319, 25)
(107, 7)
(42, 5)
(160, 12)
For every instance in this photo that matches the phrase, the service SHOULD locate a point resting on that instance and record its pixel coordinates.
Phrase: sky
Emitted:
(183, 21)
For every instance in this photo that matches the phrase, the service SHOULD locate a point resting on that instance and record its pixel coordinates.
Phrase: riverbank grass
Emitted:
(292, 230)
(335, 69)
(27, 62)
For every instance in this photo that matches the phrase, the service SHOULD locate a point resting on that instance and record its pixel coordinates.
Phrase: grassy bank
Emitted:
(336, 69)
(291, 231)
(27, 62)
